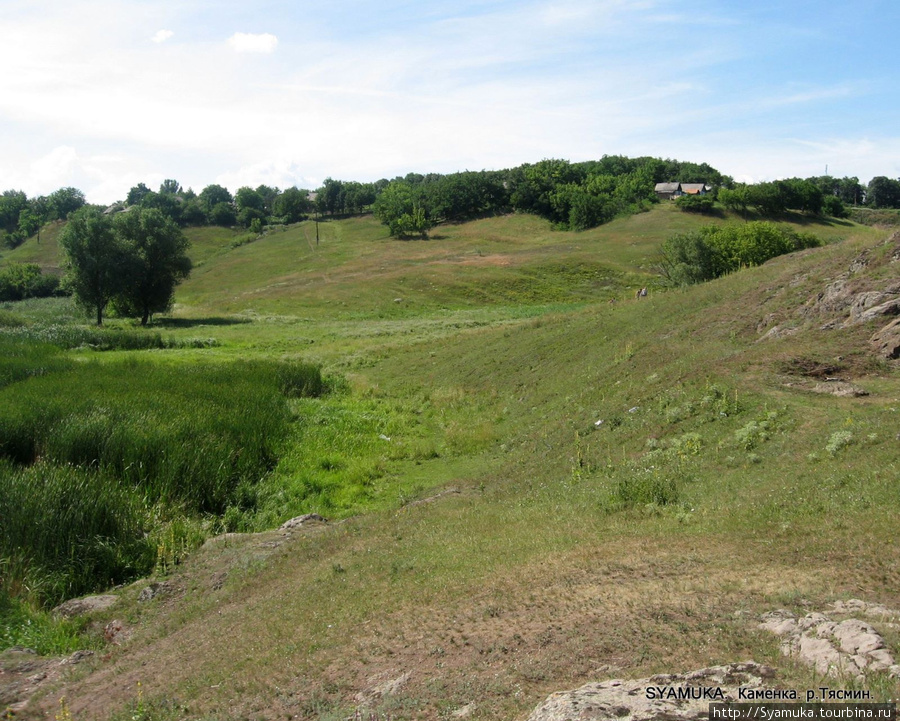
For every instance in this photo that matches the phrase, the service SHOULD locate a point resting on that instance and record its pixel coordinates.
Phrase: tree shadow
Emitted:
(822, 220)
(196, 322)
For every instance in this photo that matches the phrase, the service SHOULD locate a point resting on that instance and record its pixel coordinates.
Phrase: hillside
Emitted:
(612, 487)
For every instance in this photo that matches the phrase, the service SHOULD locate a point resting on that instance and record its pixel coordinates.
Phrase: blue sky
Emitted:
(103, 94)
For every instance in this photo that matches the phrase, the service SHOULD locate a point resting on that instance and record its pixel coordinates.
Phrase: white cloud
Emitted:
(275, 173)
(253, 42)
(162, 35)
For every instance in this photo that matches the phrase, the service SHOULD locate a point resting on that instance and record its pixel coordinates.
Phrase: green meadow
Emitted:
(532, 478)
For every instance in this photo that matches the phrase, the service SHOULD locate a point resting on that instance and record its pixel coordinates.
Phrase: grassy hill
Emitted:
(611, 488)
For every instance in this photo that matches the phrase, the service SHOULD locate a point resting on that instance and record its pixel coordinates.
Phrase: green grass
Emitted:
(716, 485)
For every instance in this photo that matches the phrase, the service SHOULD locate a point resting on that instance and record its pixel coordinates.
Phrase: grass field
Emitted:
(626, 484)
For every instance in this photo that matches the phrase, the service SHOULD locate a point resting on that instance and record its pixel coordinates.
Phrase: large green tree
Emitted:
(155, 262)
(214, 194)
(95, 259)
(401, 208)
(292, 205)
(883, 192)
(65, 201)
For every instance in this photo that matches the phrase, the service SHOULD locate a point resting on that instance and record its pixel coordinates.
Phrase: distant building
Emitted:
(669, 191)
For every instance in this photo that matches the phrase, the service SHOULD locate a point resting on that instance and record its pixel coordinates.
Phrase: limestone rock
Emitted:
(116, 633)
(382, 687)
(891, 307)
(835, 648)
(776, 331)
(82, 606)
(618, 699)
(886, 342)
(841, 389)
(300, 521)
(862, 302)
(155, 590)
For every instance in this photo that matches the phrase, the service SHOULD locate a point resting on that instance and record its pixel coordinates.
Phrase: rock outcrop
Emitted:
(618, 699)
(82, 606)
(886, 342)
(849, 647)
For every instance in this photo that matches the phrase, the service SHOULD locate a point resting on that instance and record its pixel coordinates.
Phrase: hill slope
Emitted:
(633, 483)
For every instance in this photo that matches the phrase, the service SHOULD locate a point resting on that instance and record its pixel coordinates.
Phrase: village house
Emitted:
(670, 191)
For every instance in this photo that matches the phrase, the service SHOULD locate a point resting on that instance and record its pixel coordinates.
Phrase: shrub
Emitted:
(834, 206)
(643, 486)
(838, 441)
(714, 250)
(703, 204)
(19, 281)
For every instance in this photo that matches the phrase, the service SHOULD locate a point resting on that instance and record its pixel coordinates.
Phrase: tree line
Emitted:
(572, 196)
(21, 216)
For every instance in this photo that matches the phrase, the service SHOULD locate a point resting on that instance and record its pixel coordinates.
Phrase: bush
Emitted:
(714, 250)
(641, 487)
(19, 281)
(696, 204)
(834, 206)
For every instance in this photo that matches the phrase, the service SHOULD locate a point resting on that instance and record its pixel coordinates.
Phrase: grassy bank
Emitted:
(630, 483)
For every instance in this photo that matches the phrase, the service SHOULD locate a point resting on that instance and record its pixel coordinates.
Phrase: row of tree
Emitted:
(132, 259)
(215, 205)
(21, 216)
(572, 196)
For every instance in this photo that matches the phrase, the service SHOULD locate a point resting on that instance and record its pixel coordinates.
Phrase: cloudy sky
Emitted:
(103, 94)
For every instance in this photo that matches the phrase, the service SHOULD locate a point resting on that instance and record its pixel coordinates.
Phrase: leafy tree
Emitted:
(95, 260)
(801, 195)
(136, 194)
(212, 195)
(736, 199)
(268, 194)
(246, 197)
(833, 206)
(155, 262)
(401, 207)
(29, 222)
(192, 213)
(12, 202)
(65, 201)
(168, 204)
(767, 198)
(247, 216)
(849, 191)
(292, 205)
(703, 204)
(170, 186)
(328, 197)
(714, 250)
(223, 214)
(883, 192)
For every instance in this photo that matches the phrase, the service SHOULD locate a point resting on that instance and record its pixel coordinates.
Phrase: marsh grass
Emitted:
(22, 625)
(105, 463)
(67, 531)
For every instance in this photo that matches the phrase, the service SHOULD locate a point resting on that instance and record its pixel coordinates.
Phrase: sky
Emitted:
(104, 94)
